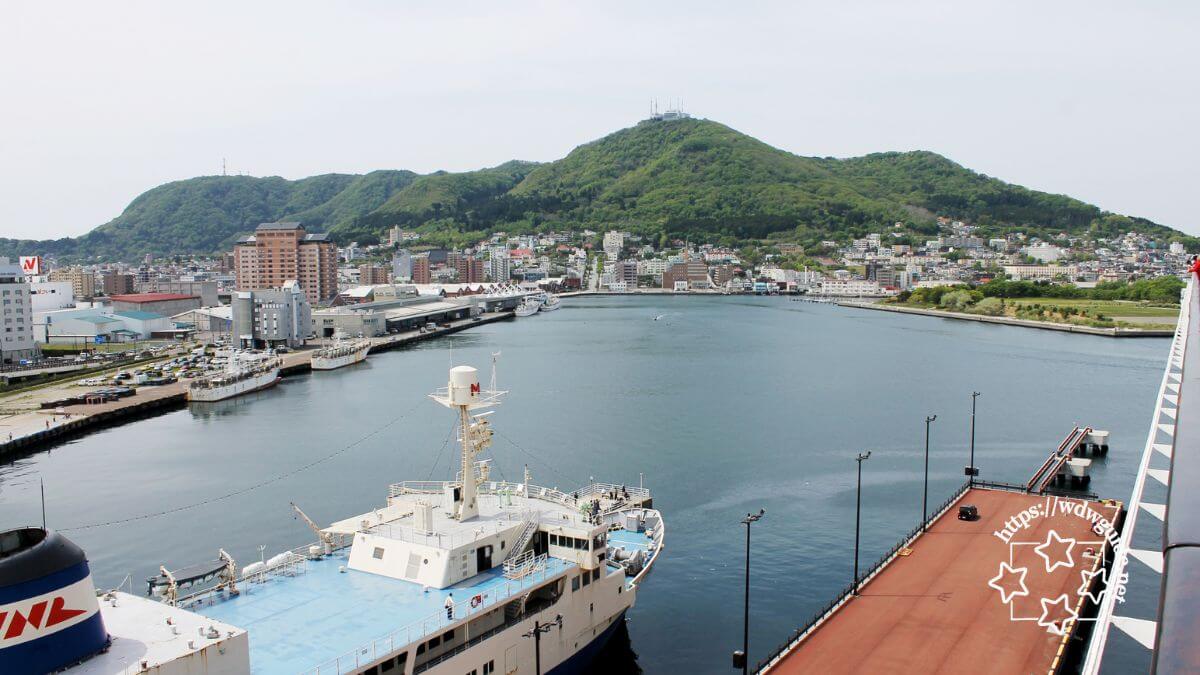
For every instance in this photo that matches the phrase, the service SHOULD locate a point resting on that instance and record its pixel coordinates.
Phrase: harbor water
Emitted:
(724, 404)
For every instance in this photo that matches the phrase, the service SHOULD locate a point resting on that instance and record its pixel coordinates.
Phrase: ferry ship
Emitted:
(464, 576)
(551, 303)
(528, 307)
(242, 375)
(341, 353)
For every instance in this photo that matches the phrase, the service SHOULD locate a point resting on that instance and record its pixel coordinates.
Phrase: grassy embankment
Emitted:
(1143, 304)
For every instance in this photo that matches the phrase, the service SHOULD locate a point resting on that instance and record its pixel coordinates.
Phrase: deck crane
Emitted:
(325, 538)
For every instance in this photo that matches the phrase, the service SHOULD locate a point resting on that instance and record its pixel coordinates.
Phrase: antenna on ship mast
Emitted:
(463, 393)
(495, 355)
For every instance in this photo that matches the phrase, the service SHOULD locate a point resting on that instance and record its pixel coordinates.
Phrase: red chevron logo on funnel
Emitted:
(38, 617)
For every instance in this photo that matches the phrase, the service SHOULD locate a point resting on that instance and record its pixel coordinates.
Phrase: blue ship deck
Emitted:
(297, 623)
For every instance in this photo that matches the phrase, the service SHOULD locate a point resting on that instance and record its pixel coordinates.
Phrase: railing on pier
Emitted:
(846, 593)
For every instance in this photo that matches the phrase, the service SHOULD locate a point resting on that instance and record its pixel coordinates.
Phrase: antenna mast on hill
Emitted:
(223, 167)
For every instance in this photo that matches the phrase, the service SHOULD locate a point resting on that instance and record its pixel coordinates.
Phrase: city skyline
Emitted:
(1079, 99)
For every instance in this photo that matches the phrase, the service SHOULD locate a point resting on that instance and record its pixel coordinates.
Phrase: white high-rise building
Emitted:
(401, 265)
(16, 315)
(613, 243)
(499, 268)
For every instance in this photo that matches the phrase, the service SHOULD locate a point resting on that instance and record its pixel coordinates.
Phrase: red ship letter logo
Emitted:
(38, 617)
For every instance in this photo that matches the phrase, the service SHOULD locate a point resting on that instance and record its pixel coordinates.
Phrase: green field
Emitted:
(1115, 308)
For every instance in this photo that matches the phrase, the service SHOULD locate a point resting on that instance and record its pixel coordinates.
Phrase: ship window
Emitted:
(373, 670)
(448, 636)
(378, 553)
(581, 544)
(554, 540)
(587, 579)
(435, 641)
(420, 649)
(596, 574)
(574, 584)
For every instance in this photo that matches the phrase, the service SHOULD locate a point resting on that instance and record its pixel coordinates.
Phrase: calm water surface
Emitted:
(726, 405)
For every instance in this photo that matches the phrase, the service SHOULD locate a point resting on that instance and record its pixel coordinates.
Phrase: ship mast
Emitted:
(464, 394)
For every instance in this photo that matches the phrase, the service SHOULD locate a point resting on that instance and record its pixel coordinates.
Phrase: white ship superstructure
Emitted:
(341, 353)
(242, 375)
(445, 577)
(528, 307)
(551, 303)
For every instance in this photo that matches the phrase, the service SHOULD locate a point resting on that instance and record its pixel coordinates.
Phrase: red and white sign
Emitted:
(31, 265)
(36, 617)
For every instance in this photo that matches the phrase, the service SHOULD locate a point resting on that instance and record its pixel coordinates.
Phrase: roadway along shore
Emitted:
(1010, 321)
(25, 425)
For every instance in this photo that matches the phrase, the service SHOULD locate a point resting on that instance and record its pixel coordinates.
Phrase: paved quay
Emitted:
(25, 425)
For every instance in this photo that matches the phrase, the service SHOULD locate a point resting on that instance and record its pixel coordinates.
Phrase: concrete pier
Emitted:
(28, 430)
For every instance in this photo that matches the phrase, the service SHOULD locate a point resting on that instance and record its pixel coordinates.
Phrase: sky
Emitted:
(102, 101)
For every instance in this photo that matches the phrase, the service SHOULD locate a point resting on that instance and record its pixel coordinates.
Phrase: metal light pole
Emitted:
(536, 634)
(740, 659)
(925, 495)
(971, 470)
(858, 515)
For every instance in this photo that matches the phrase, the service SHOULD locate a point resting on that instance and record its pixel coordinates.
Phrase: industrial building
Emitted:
(164, 304)
(272, 317)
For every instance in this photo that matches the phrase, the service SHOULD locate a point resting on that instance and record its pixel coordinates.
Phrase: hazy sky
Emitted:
(103, 100)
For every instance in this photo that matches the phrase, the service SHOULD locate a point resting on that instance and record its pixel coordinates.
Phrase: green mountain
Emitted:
(680, 178)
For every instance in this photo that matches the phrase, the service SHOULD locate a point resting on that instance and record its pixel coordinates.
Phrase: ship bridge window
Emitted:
(377, 553)
(581, 544)
(574, 584)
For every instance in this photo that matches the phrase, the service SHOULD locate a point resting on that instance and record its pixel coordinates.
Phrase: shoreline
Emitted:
(1010, 321)
(151, 401)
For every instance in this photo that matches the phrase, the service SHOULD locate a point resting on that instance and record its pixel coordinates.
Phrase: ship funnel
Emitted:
(49, 615)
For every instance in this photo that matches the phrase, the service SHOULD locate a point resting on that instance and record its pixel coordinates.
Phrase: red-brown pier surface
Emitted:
(933, 611)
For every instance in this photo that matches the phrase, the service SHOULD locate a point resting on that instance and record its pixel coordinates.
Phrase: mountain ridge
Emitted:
(681, 178)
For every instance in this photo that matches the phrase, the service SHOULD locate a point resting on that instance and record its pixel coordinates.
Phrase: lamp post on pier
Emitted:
(536, 634)
(972, 470)
(858, 514)
(740, 659)
(925, 495)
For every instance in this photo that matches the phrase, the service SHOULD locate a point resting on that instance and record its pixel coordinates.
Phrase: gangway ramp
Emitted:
(1054, 463)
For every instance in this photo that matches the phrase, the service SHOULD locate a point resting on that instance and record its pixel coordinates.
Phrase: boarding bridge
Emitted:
(1148, 616)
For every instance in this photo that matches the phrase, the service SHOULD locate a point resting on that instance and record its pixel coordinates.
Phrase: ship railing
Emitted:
(524, 565)
(294, 562)
(410, 534)
(846, 593)
(603, 490)
(434, 624)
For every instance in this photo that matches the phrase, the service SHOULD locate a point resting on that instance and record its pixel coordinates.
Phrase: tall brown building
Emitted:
(83, 281)
(116, 283)
(420, 269)
(371, 275)
(470, 270)
(278, 252)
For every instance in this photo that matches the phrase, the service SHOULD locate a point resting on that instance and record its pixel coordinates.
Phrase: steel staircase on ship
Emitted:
(529, 528)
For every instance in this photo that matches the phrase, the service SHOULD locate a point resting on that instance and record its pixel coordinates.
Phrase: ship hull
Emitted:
(257, 383)
(333, 363)
(580, 660)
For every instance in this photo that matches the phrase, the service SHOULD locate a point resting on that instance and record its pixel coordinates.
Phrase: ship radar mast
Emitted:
(463, 393)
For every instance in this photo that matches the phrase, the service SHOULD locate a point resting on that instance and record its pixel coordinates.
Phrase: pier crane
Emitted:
(325, 538)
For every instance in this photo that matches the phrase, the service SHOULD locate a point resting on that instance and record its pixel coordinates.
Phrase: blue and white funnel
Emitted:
(49, 615)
